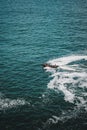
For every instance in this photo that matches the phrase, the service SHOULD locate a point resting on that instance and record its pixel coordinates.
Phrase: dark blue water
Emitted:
(33, 32)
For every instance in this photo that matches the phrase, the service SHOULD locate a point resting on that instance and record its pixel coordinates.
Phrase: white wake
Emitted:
(70, 78)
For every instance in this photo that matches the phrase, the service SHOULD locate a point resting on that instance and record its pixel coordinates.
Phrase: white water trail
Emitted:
(69, 77)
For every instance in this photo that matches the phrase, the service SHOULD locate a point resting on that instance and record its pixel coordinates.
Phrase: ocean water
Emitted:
(33, 32)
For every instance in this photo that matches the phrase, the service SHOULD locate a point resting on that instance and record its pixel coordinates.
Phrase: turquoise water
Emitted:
(33, 32)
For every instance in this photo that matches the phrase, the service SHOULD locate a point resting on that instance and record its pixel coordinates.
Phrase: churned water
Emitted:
(33, 32)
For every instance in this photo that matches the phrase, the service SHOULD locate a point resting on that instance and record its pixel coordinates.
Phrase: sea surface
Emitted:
(34, 32)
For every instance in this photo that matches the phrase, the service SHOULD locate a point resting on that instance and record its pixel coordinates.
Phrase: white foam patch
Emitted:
(70, 78)
(8, 103)
(66, 60)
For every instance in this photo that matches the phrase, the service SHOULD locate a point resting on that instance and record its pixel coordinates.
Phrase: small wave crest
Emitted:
(6, 103)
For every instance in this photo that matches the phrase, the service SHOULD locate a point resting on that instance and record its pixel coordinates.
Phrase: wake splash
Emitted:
(70, 79)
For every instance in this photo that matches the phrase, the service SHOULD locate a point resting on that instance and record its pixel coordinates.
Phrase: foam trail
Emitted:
(59, 84)
(66, 60)
(69, 77)
(68, 95)
(62, 62)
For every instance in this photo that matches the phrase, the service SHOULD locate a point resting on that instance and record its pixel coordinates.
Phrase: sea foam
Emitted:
(6, 103)
(69, 78)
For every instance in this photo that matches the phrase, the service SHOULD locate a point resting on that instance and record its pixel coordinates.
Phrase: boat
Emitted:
(51, 66)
